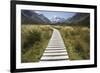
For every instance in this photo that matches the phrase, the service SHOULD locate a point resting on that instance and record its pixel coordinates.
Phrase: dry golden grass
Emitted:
(34, 40)
(77, 41)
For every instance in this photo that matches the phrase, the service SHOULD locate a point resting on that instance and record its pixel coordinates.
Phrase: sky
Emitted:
(52, 14)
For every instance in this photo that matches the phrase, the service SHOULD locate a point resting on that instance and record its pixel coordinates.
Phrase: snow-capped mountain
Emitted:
(56, 19)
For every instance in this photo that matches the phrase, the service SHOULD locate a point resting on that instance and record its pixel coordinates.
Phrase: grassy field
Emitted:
(34, 40)
(77, 41)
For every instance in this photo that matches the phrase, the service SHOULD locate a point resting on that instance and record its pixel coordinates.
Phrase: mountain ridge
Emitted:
(30, 17)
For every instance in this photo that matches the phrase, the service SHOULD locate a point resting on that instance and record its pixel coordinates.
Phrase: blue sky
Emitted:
(51, 14)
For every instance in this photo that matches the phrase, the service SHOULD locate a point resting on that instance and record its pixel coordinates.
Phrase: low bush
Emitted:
(77, 42)
(34, 40)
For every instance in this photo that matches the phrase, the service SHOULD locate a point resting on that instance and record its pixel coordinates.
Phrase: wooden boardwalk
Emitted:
(55, 50)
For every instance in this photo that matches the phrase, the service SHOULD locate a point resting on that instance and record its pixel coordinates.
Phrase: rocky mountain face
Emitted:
(30, 17)
(80, 18)
(58, 20)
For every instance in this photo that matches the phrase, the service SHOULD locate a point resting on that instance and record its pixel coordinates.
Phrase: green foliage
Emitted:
(31, 38)
(77, 41)
(34, 40)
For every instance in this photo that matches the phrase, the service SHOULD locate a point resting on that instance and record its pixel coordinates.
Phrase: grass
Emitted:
(77, 41)
(34, 40)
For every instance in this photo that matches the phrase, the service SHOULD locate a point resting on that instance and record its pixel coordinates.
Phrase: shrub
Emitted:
(77, 42)
(34, 40)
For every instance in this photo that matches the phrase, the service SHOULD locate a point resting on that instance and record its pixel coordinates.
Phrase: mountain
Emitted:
(44, 19)
(30, 17)
(80, 19)
(56, 20)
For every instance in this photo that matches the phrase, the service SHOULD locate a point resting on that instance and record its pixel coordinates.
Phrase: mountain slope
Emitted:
(30, 17)
(80, 19)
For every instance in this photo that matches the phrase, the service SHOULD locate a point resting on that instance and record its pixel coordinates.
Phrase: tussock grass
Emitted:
(34, 40)
(77, 41)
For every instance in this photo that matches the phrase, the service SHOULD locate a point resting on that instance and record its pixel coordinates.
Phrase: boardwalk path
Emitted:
(55, 50)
